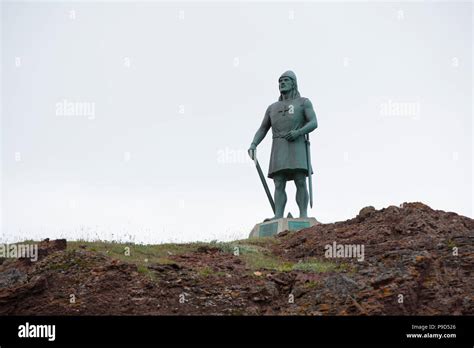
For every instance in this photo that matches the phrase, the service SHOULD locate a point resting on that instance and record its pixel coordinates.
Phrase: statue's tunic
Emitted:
(287, 157)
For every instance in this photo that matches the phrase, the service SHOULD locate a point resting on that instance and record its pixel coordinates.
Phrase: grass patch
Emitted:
(143, 269)
(311, 284)
(137, 253)
(260, 241)
(256, 261)
(140, 254)
(255, 252)
(450, 243)
(205, 271)
(238, 249)
(315, 266)
(257, 256)
(69, 261)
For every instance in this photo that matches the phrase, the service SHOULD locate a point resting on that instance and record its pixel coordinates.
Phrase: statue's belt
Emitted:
(281, 136)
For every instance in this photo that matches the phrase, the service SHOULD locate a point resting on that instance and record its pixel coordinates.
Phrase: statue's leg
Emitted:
(280, 195)
(301, 194)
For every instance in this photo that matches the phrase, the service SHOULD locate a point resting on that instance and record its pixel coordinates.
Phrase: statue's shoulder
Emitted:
(306, 102)
(304, 99)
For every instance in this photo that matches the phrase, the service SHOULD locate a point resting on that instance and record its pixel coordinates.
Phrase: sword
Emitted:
(264, 182)
(310, 169)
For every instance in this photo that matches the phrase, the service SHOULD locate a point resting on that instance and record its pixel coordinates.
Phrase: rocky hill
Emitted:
(408, 260)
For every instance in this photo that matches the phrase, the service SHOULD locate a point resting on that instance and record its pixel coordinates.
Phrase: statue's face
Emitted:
(285, 84)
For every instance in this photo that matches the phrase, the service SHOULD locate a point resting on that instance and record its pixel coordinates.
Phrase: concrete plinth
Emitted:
(273, 227)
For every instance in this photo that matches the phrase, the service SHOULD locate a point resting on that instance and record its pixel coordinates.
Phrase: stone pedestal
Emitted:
(273, 227)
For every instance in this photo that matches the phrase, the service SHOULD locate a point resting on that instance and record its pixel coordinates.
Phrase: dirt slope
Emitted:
(416, 261)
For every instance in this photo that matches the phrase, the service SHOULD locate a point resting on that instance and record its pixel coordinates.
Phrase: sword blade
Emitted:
(310, 170)
(264, 183)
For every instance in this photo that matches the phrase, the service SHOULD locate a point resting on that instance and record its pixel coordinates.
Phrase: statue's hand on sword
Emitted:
(292, 135)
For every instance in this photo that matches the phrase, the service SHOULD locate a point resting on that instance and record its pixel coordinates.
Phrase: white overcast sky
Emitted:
(178, 90)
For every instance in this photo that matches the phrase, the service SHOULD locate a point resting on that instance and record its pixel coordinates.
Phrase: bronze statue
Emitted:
(291, 119)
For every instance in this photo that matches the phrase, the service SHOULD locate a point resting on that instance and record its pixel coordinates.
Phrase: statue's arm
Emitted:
(263, 130)
(310, 117)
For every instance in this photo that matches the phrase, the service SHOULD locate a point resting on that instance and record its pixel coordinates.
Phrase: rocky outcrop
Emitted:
(411, 260)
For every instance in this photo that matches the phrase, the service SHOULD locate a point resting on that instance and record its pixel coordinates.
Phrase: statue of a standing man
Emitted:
(290, 118)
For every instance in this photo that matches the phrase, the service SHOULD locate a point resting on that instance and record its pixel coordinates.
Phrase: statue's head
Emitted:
(288, 85)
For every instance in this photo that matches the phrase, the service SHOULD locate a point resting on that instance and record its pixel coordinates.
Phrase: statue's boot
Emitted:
(273, 218)
(269, 219)
(279, 217)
